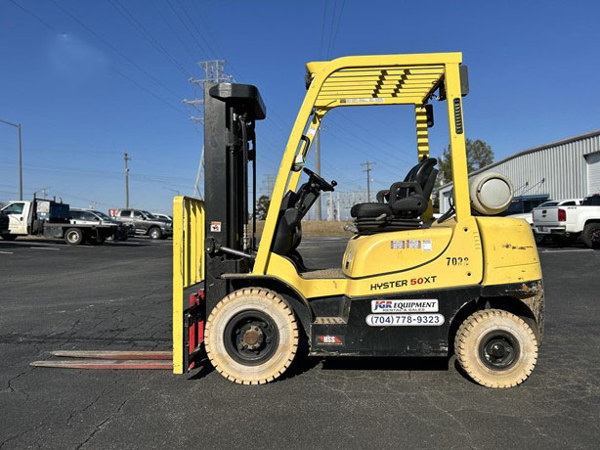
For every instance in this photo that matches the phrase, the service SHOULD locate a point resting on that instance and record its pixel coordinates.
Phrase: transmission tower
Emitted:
(214, 72)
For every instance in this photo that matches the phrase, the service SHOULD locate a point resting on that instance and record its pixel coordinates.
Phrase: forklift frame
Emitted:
(509, 272)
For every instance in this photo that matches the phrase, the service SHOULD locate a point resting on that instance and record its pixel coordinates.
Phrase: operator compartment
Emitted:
(394, 251)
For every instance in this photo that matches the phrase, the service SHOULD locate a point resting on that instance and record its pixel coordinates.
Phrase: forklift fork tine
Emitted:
(112, 354)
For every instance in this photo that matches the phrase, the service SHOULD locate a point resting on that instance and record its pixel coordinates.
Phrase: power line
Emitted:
(185, 11)
(216, 49)
(334, 27)
(174, 32)
(54, 29)
(187, 28)
(113, 48)
(323, 29)
(36, 17)
(147, 34)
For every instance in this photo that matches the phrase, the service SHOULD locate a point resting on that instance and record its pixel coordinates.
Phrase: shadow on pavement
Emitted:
(385, 363)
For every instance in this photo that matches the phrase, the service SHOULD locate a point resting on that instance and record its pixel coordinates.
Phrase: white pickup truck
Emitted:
(50, 219)
(567, 220)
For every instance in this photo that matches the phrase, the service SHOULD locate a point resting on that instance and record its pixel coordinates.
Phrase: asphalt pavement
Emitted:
(118, 296)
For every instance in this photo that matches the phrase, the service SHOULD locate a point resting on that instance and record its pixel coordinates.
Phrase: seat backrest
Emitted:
(422, 171)
(420, 174)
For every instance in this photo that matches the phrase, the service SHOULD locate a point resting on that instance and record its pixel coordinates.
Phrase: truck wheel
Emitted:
(251, 336)
(591, 235)
(497, 349)
(539, 238)
(155, 233)
(73, 236)
(9, 237)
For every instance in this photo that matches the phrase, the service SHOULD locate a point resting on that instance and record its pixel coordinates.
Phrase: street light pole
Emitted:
(18, 126)
(127, 159)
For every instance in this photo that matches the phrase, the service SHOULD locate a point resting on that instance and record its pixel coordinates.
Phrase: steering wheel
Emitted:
(323, 185)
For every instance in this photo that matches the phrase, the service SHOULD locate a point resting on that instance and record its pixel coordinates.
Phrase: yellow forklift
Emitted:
(464, 284)
(407, 285)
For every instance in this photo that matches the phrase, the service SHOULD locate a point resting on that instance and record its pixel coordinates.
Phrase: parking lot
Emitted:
(117, 296)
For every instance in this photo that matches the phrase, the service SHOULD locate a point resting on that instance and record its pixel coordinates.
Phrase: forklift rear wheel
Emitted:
(73, 236)
(251, 336)
(497, 349)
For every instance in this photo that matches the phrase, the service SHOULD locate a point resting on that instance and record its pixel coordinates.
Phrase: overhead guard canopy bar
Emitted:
(366, 81)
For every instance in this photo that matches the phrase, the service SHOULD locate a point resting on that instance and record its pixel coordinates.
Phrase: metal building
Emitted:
(569, 168)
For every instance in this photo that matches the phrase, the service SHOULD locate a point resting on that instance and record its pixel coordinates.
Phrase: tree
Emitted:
(262, 207)
(479, 154)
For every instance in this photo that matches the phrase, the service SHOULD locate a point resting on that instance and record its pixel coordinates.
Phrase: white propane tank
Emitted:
(491, 193)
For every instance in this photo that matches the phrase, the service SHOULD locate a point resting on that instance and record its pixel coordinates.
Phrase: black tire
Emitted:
(497, 349)
(539, 238)
(9, 237)
(251, 336)
(591, 235)
(73, 236)
(155, 233)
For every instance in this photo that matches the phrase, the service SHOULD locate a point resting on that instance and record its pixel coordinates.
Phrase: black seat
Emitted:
(406, 200)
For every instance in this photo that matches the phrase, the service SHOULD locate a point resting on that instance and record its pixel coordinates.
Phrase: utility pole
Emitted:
(318, 170)
(368, 169)
(270, 181)
(214, 72)
(127, 159)
(18, 127)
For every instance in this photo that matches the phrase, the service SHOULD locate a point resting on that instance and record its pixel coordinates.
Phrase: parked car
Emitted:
(144, 223)
(90, 216)
(566, 220)
(163, 216)
(521, 208)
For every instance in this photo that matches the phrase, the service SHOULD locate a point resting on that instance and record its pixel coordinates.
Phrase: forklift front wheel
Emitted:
(251, 336)
(497, 349)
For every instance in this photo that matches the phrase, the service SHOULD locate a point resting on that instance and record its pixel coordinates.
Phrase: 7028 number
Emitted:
(457, 261)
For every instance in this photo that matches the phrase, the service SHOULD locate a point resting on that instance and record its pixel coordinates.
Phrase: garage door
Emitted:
(593, 172)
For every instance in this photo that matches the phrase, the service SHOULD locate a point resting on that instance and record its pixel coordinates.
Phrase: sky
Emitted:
(90, 80)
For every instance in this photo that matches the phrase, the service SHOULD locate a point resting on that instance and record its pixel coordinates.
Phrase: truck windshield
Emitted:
(13, 208)
(149, 215)
(102, 215)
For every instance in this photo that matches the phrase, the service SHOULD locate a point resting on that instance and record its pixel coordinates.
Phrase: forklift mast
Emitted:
(230, 112)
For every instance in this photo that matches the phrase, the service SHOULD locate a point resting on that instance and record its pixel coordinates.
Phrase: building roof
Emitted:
(532, 150)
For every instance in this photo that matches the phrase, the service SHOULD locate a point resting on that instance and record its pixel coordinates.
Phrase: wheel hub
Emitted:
(499, 350)
(251, 337)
